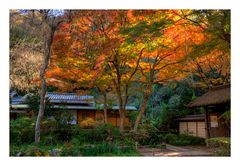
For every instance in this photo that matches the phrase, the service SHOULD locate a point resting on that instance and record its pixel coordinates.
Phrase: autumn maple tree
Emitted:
(112, 49)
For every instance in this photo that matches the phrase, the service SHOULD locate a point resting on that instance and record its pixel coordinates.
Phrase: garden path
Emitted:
(175, 151)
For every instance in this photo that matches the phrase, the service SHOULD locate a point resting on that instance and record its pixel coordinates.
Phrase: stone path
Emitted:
(174, 151)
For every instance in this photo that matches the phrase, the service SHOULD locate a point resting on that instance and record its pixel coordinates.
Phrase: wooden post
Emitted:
(206, 123)
(136, 145)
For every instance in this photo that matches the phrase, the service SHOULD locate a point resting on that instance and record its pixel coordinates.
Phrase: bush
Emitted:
(104, 132)
(48, 140)
(36, 151)
(183, 139)
(78, 140)
(148, 135)
(29, 150)
(71, 150)
(107, 132)
(220, 145)
(21, 130)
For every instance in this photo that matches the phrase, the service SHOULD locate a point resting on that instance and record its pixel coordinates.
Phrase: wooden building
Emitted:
(192, 125)
(215, 102)
(81, 108)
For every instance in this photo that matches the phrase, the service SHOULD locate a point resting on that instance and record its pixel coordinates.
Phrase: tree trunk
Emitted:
(122, 118)
(105, 108)
(41, 109)
(142, 110)
(48, 38)
(121, 112)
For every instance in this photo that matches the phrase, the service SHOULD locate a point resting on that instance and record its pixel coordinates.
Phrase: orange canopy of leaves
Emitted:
(83, 48)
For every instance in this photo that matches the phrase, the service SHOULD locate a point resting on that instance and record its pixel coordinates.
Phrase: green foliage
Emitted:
(166, 118)
(174, 101)
(36, 151)
(71, 150)
(104, 132)
(220, 145)
(183, 139)
(61, 127)
(33, 101)
(21, 130)
(33, 149)
(226, 116)
(108, 131)
(147, 134)
(167, 102)
(19, 36)
(218, 28)
(144, 30)
(153, 136)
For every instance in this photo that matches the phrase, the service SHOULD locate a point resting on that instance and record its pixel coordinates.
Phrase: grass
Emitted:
(68, 149)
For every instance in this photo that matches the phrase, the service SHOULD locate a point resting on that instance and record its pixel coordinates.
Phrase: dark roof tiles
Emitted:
(69, 98)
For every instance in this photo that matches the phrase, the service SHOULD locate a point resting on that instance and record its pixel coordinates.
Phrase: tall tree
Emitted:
(49, 20)
(93, 47)
(164, 49)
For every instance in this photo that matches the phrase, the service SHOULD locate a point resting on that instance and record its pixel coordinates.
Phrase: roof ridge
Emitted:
(59, 93)
(219, 87)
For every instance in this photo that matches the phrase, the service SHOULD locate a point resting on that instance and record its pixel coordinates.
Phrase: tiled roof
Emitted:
(57, 98)
(17, 100)
(12, 94)
(69, 98)
(73, 101)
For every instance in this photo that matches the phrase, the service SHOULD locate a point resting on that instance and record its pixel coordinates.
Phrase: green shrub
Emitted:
(28, 150)
(78, 140)
(107, 132)
(183, 139)
(101, 133)
(148, 135)
(21, 130)
(16, 150)
(71, 150)
(220, 145)
(35, 151)
(48, 140)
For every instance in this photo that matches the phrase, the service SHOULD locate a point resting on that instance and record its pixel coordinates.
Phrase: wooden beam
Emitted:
(206, 123)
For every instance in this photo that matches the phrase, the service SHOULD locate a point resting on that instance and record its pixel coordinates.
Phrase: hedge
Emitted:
(220, 145)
